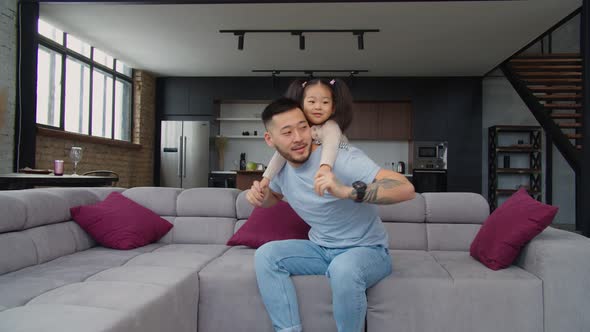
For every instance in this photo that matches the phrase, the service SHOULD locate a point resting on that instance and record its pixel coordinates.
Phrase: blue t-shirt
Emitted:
(335, 222)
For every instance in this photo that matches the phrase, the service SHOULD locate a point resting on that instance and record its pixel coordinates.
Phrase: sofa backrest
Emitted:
(431, 221)
(36, 226)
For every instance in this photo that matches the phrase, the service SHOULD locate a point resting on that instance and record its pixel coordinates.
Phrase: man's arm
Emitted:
(389, 187)
(261, 195)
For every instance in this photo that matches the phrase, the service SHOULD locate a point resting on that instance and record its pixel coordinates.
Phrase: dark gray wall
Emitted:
(447, 109)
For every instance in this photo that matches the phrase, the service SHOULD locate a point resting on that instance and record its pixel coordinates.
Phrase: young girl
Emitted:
(327, 105)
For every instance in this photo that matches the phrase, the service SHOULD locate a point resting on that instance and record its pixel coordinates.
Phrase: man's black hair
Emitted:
(278, 106)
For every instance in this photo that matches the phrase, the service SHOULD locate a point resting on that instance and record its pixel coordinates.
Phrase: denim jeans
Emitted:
(351, 271)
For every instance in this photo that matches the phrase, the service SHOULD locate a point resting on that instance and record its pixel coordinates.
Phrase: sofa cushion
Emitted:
(65, 318)
(279, 222)
(143, 303)
(161, 200)
(450, 291)
(451, 236)
(18, 287)
(232, 276)
(120, 223)
(457, 208)
(509, 228)
(188, 256)
(22, 252)
(411, 211)
(207, 202)
(202, 230)
(14, 213)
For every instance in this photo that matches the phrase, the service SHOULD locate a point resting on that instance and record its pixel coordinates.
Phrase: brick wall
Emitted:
(133, 162)
(7, 83)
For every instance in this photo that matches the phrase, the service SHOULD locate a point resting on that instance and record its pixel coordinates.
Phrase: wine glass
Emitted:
(76, 156)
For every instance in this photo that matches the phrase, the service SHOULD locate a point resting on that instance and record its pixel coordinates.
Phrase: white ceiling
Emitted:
(463, 38)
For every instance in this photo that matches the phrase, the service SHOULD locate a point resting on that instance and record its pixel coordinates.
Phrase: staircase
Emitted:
(551, 86)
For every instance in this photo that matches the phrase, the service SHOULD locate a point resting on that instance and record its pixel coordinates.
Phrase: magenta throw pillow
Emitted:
(511, 226)
(279, 222)
(120, 223)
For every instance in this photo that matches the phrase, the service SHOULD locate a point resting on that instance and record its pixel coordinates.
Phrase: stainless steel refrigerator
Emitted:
(184, 154)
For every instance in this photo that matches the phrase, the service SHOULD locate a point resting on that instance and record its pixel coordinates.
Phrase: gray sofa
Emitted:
(53, 276)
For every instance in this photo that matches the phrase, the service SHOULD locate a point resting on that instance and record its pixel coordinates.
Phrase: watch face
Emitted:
(358, 184)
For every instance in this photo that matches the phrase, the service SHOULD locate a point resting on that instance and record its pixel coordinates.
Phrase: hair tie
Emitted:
(303, 84)
(332, 82)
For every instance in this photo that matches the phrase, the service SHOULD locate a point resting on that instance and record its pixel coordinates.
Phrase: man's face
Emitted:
(290, 135)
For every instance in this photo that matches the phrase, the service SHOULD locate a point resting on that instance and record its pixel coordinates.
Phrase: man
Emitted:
(348, 242)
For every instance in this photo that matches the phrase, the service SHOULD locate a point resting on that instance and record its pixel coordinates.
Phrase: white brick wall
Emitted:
(7, 82)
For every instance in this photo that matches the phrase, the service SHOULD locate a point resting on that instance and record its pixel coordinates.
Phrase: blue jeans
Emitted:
(351, 272)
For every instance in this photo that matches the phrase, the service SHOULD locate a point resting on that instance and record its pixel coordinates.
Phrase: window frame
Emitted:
(112, 72)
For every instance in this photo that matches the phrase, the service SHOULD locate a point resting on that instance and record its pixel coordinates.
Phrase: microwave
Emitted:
(430, 154)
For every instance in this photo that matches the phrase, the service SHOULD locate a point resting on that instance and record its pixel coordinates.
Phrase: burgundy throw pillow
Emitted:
(120, 223)
(509, 228)
(279, 222)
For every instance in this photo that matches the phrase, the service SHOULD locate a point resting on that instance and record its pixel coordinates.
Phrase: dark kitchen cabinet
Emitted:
(381, 121)
(180, 96)
(175, 96)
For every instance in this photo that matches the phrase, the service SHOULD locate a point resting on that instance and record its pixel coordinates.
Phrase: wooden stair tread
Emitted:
(546, 61)
(579, 147)
(566, 116)
(574, 136)
(549, 73)
(570, 125)
(555, 88)
(551, 81)
(548, 56)
(563, 106)
(561, 96)
(544, 66)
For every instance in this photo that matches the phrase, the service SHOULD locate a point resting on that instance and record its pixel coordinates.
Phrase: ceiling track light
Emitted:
(310, 72)
(359, 33)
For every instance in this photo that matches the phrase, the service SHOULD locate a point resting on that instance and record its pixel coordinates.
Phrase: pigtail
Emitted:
(342, 103)
(295, 91)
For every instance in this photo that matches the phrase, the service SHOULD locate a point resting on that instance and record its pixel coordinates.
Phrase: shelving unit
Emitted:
(497, 150)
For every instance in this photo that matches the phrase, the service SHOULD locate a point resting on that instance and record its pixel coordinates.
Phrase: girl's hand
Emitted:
(264, 182)
(324, 169)
(327, 181)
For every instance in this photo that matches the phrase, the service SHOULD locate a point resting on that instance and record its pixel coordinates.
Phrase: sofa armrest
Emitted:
(561, 260)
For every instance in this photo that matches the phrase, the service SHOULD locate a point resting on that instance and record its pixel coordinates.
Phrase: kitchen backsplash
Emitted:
(383, 153)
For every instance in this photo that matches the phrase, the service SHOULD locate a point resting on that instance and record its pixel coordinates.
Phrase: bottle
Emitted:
(401, 167)
(242, 161)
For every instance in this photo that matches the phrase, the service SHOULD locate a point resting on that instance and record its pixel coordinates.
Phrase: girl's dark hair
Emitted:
(341, 97)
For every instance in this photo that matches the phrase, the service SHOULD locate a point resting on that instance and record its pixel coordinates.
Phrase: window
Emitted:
(80, 88)
(48, 87)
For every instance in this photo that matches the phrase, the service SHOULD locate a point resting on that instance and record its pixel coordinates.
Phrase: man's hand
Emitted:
(258, 194)
(327, 181)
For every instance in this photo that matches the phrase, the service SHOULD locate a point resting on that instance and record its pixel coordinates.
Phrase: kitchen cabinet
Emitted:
(179, 97)
(381, 121)
(244, 179)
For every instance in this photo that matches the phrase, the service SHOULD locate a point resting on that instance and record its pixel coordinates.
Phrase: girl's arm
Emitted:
(330, 136)
(274, 166)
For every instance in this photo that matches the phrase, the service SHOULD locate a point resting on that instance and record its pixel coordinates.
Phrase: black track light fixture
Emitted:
(301, 39)
(359, 33)
(360, 39)
(240, 40)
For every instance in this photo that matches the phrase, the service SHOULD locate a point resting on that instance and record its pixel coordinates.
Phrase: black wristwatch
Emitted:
(360, 188)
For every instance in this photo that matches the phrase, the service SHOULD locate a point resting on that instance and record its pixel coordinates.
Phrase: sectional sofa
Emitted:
(54, 277)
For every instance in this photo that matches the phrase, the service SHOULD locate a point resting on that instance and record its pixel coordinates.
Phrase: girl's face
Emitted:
(318, 105)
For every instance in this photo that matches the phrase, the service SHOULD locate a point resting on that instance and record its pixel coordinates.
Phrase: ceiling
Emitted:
(463, 38)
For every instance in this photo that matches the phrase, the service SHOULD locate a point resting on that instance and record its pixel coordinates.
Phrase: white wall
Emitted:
(503, 106)
(7, 83)
(382, 152)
